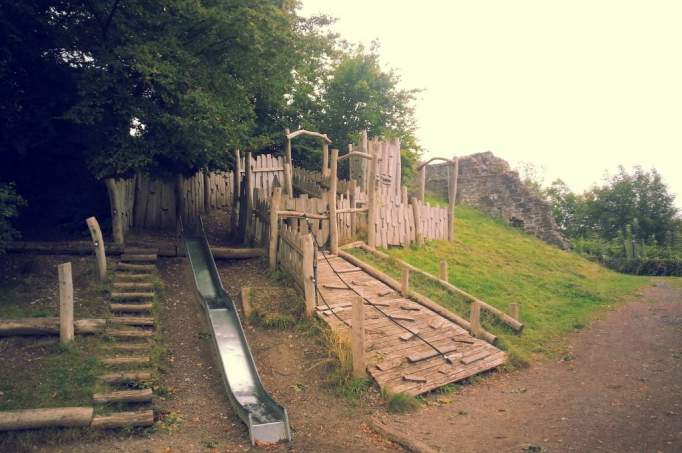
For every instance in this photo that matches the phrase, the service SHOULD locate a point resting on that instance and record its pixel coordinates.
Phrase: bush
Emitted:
(10, 202)
(653, 266)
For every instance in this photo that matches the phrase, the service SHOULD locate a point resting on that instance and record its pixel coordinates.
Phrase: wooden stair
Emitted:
(126, 360)
(130, 418)
(132, 296)
(124, 396)
(134, 285)
(149, 268)
(138, 258)
(144, 321)
(131, 308)
(125, 377)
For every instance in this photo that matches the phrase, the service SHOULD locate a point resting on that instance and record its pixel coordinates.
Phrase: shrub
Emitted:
(10, 202)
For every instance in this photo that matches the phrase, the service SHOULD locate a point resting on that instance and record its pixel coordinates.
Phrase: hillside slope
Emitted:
(557, 290)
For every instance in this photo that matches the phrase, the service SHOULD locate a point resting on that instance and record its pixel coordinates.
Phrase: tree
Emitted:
(567, 208)
(10, 203)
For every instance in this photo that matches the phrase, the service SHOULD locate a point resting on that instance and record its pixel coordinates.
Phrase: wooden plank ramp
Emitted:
(397, 359)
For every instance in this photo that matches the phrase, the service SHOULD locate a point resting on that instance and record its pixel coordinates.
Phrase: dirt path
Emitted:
(619, 389)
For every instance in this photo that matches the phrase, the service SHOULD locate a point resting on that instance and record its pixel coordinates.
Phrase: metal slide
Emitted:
(267, 421)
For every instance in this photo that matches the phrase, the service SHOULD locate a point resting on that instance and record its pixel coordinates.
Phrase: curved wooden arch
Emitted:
(450, 161)
(322, 137)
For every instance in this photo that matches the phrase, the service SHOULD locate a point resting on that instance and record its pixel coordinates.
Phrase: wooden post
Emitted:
(364, 174)
(372, 201)
(452, 195)
(308, 285)
(325, 158)
(98, 242)
(207, 192)
(416, 209)
(248, 180)
(444, 270)
(246, 302)
(287, 171)
(475, 319)
(116, 206)
(237, 179)
(422, 183)
(514, 308)
(275, 202)
(353, 205)
(65, 303)
(404, 281)
(180, 199)
(331, 197)
(358, 337)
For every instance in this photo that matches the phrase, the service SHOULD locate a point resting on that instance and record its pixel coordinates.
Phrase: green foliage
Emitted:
(400, 403)
(10, 202)
(556, 290)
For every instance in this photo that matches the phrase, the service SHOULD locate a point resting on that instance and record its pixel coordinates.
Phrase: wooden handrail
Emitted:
(302, 214)
(358, 154)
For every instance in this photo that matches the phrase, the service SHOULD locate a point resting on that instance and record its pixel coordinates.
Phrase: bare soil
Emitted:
(618, 389)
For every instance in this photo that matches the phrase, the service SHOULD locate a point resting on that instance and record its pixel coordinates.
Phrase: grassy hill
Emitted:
(558, 291)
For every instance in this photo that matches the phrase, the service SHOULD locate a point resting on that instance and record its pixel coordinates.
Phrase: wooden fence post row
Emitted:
(331, 194)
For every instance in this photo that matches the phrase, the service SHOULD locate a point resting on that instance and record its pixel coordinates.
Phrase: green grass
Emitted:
(558, 291)
(400, 403)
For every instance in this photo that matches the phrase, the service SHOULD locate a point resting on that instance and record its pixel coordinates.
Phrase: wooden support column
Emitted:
(65, 303)
(325, 159)
(331, 198)
(452, 195)
(248, 200)
(405, 281)
(416, 211)
(444, 270)
(358, 338)
(116, 206)
(98, 243)
(353, 205)
(372, 201)
(275, 203)
(236, 190)
(514, 309)
(475, 319)
(288, 184)
(422, 183)
(308, 284)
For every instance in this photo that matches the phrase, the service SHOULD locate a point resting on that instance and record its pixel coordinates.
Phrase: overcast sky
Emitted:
(575, 87)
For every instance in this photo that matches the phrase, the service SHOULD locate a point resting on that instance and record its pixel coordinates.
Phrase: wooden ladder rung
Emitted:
(123, 396)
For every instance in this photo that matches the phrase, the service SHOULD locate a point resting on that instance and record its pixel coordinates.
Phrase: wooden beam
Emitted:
(475, 319)
(308, 284)
(47, 326)
(325, 159)
(424, 164)
(404, 281)
(288, 185)
(246, 302)
(302, 214)
(416, 211)
(57, 417)
(358, 338)
(98, 243)
(124, 419)
(352, 188)
(292, 135)
(356, 154)
(65, 303)
(115, 204)
(331, 198)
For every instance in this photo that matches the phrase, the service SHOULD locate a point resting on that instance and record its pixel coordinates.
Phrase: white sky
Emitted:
(575, 87)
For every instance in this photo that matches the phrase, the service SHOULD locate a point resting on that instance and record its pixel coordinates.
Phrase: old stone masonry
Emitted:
(489, 184)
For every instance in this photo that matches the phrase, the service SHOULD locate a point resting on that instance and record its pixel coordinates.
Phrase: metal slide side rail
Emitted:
(266, 420)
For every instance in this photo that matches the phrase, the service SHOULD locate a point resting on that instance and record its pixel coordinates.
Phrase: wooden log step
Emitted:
(132, 295)
(131, 308)
(133, 285)
(124, 396)
(125, 377)
(129, 333)
(124, 419)
(133, 250)
(138, 258)
(47, 326)
(129, 347)
(132, 320)
(136, 267)
(56, 417)
(127, 276)
(126, 360)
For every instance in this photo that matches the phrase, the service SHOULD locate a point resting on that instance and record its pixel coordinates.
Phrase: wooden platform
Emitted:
(397, 360)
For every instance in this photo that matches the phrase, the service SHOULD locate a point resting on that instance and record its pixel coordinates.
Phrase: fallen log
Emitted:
(47, 326)
(57, 417)
(124, 419)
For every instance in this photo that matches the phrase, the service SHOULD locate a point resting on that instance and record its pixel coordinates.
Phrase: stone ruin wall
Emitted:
(489, 184)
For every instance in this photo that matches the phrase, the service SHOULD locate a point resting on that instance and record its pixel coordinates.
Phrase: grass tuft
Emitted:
(400, 403)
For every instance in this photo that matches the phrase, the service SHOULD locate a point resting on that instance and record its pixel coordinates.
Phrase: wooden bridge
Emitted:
(397, 356)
